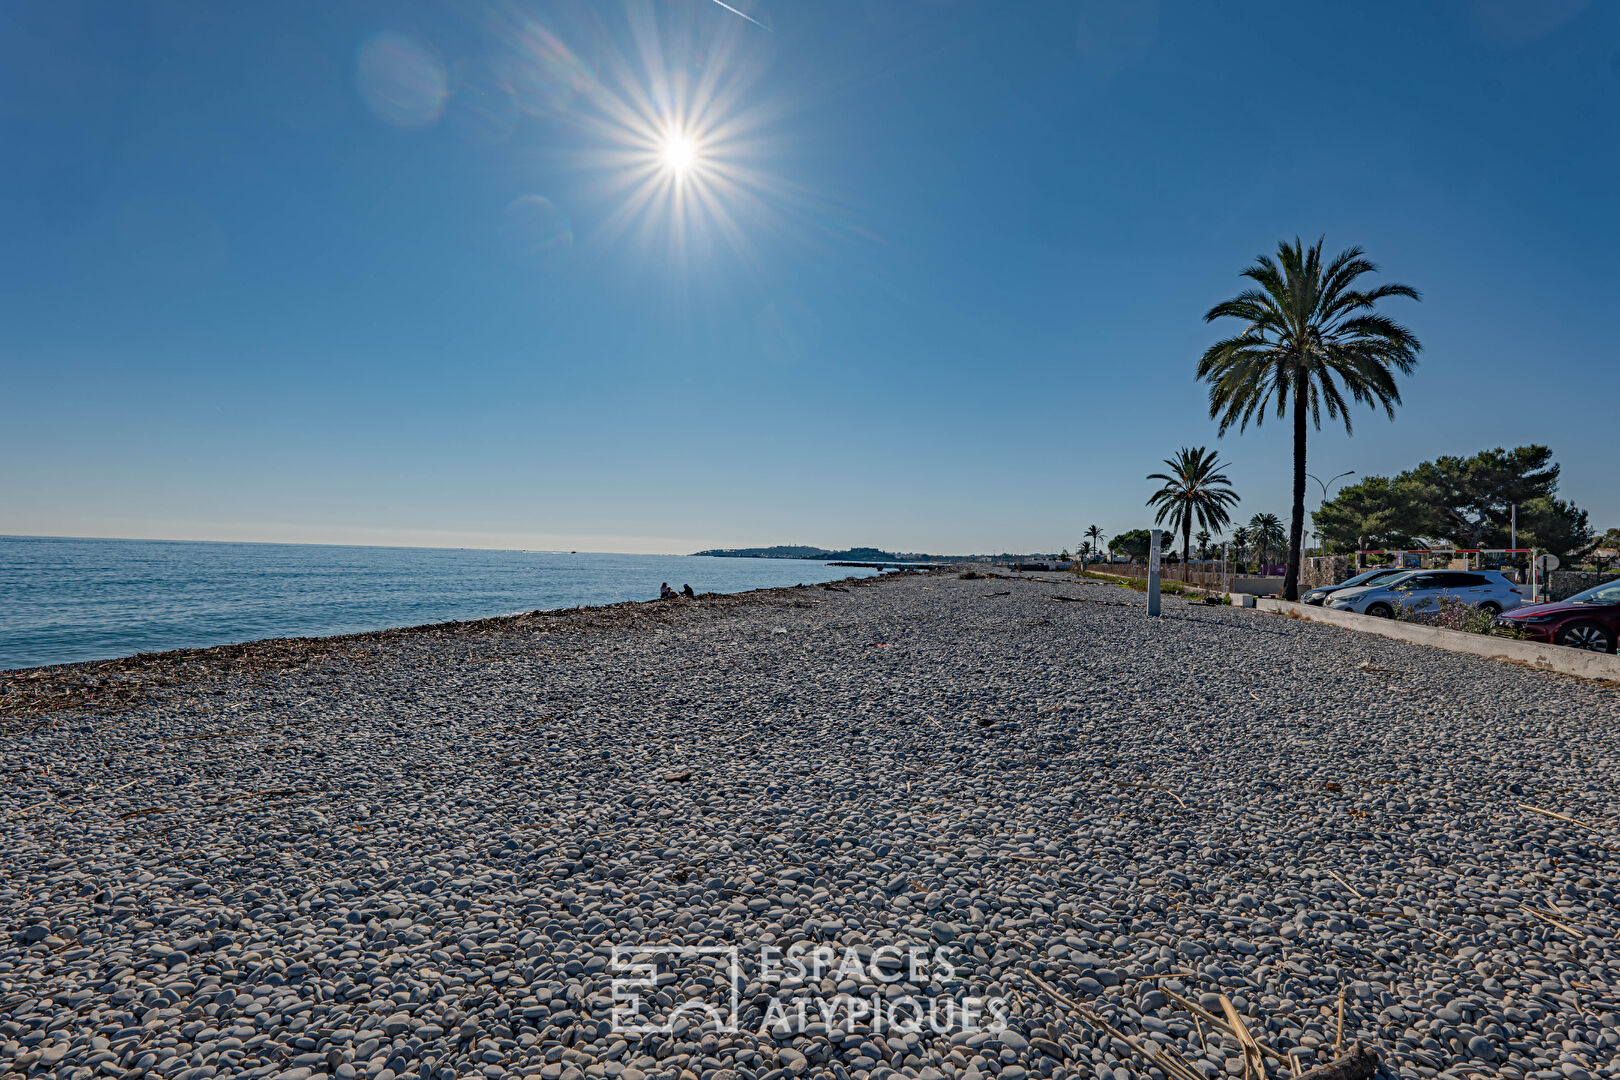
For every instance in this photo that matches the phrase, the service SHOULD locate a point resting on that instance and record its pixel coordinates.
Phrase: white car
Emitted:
(1488, 590)
(1319, 595)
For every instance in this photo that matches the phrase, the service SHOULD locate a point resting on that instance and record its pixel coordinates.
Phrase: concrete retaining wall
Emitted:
(1255, 585)
(1589, 665)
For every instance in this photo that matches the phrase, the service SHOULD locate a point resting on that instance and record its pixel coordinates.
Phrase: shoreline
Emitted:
(87, 600)
(122, 682)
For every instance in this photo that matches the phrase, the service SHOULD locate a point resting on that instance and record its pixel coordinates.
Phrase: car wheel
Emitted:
(1491, 607)
(1586, 635)
(1380, 611)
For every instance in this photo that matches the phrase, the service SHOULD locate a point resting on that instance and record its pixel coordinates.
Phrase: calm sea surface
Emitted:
(63, 600)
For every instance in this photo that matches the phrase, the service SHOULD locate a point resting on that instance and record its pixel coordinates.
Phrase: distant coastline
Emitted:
(866, 556)
(800, 551)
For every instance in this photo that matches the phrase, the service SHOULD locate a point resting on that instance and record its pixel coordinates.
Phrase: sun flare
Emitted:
(679, 152)
(682, 139)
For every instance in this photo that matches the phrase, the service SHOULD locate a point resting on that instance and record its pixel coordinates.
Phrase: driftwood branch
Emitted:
(1359, 1064)
(1151, 787)
(1251, 1049)
(1164, 1057)
(1559, 817)
(1345, 883)
(1217, 1022)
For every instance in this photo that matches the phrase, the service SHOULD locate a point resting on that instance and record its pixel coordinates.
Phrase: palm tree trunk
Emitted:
(1186, 548)
(1296, 528)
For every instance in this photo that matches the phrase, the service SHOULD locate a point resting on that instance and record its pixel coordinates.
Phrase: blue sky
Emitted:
(402, 272)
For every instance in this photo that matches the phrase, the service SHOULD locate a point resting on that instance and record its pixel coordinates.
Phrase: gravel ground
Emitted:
(412, 858)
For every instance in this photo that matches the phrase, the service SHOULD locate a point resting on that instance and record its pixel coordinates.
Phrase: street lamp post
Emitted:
(1325, 487)
(1331, 482)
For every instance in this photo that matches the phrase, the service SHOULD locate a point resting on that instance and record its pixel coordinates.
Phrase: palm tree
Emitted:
(1266, 534)
(1240, 543)
(1095, 535)
(1084, 551)
(1193, 488)
(1309, 337)
(1203, 543)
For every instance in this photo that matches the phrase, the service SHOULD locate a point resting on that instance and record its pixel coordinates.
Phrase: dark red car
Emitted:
(1587, 620)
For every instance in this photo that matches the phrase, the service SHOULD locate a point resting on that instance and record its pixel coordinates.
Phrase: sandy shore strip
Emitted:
(438, 853)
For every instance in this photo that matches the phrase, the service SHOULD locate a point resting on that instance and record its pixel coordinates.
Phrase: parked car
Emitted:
(1587, 620)
(1366, 577)
(1488, 590)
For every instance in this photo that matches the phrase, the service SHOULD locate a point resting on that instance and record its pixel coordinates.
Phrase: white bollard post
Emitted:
(1153, 572)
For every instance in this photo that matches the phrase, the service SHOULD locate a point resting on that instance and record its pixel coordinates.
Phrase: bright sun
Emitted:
(681, 159)
(678, 152)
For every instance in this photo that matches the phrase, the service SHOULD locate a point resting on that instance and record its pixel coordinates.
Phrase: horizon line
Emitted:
(407, 547)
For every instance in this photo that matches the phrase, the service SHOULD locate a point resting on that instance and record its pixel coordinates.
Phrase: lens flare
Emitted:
(540, 72)
(533, 230)
(481, 111)
(401, 80)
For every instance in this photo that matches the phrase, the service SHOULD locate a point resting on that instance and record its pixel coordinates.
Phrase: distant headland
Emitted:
(861, 555)
(802, 551)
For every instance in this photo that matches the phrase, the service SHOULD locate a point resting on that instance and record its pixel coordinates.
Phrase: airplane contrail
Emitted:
(745, 15)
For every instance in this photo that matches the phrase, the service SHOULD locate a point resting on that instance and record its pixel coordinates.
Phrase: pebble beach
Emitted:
(414, 854)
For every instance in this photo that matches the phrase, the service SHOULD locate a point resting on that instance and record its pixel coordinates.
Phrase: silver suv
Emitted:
(1488, 590)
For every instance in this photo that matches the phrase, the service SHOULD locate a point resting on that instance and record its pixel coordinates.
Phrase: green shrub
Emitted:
(1450, 613)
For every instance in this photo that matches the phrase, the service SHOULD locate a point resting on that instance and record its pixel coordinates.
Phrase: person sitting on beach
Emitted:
(686, 591)
(665, 592)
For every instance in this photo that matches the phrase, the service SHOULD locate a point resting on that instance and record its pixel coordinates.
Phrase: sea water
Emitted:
(63, 600)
